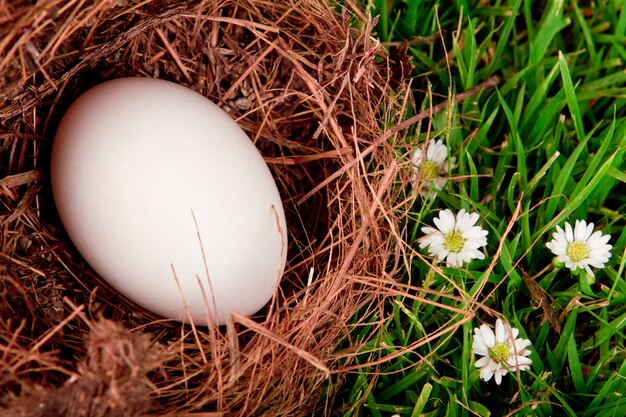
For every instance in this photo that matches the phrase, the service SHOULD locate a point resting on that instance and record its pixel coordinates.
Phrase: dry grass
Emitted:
(313, 89)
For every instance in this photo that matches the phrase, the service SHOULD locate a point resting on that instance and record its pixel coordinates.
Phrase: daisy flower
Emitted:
(580, 247)
(501, 352)
(430, 169)
(455, 239)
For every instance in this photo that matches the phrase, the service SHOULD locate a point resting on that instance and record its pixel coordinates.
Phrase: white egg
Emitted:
(168, 200)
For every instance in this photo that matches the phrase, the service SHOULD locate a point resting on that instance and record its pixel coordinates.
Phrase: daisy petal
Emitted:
(488, 336)
(500, 332)
(498, 378)
(482, 361)
(580, 228)
(569, 233)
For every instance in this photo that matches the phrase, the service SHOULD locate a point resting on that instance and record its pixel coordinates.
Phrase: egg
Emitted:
(168, 200)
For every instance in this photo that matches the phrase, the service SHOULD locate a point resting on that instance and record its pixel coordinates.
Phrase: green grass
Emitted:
(544, 147)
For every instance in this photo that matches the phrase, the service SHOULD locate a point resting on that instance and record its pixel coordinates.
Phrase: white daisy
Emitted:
(430, 170)
(456, 239)
(580, 247)
(501, 352)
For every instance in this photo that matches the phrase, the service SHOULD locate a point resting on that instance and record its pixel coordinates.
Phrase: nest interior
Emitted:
(313, 90)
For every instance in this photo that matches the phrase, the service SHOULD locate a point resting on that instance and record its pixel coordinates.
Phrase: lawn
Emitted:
(537, 152)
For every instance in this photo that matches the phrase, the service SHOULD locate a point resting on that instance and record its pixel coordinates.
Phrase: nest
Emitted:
(314, 91)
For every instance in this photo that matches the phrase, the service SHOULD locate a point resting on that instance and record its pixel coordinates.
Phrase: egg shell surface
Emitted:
(168, 200)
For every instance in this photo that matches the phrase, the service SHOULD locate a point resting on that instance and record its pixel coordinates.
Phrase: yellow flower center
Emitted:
(454, 241)
(577, 251)
(500, 352)
(430, 170)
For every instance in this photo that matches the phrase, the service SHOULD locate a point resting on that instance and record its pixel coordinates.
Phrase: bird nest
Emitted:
(318, 96)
